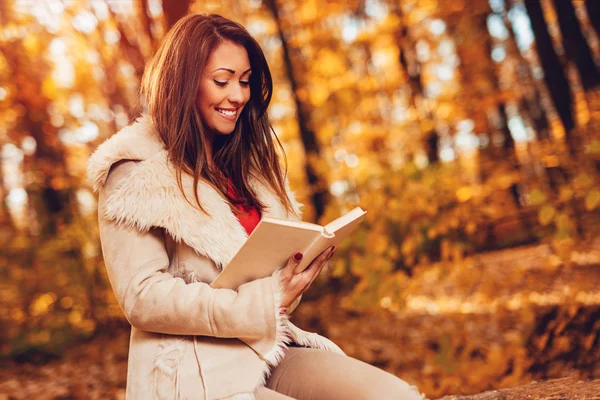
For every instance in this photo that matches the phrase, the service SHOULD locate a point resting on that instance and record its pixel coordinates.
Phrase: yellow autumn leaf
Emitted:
(566, 194)
(385, 302)
(464, 193)
(42, 304)
(505, 181)
(49, 88)
(583, 181)
(75, 317)
(308, 11)
(592, 200)
(31, 44)
(431, 233)
(471, 228)
(380, 244)
(339, 269)
(454, 222)
(546, 214)
(537, 197)
(329, 63)
(393, 252)
(564, 225)
(594, 147)
(550, 161)
(408, 246)
(318, 95)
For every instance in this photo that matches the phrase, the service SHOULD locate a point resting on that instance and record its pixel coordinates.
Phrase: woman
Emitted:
(180, 190)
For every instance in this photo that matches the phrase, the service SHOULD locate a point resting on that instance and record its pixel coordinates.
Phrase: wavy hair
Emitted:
(169, 89)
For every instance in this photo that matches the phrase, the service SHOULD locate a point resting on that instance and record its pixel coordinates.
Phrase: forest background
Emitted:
(469, 130)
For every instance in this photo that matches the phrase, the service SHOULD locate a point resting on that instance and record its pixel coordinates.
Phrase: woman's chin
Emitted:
(224, 132)
(223, 129)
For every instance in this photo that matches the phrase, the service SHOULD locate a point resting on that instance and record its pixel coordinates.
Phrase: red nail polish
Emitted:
(298, 256)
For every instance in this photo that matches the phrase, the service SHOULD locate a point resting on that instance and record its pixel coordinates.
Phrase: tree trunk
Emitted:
(593, 10)
(536, 112)
(575, 45)
(509, 143)
(566, 388)
(531, 103)
(554, 75)
(146, 20)
(174, 10)
(412, 71)
(320, 195)
(50, 196)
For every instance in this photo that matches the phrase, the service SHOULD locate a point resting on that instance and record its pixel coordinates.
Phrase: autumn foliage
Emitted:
(469, 131)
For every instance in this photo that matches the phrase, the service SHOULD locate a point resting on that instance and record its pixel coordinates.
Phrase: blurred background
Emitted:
(469, 131)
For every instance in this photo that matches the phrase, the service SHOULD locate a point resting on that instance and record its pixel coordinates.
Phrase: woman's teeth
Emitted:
(227, 113)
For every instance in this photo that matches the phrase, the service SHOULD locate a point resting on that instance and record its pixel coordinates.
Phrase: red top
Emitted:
(250, 216)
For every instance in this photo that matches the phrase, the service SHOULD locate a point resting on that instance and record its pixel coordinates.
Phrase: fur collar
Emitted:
(150, 197)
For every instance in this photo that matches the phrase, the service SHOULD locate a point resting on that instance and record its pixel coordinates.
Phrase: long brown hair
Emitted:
(169, 89)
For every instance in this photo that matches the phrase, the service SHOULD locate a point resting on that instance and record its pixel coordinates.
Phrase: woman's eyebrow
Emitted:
(231, 71)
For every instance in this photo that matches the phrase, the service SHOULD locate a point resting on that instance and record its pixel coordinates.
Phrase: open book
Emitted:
(274, 241)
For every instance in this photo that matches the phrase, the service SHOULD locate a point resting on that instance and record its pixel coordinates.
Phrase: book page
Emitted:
(274, 241)
(267, 249)
(354, 216)
(333, 234)
(296, 224)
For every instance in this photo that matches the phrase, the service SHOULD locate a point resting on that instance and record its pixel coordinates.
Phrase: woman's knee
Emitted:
(332, 376)
(395, 388)
(379, 384)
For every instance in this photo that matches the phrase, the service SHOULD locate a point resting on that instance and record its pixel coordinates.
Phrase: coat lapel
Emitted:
(150, 196)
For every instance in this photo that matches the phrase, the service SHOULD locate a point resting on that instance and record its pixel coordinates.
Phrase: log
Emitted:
(555, 389)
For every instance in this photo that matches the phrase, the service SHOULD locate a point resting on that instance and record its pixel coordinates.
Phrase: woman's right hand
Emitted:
(293, 285)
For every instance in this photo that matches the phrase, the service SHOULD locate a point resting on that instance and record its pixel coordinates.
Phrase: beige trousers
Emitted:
(311, 374)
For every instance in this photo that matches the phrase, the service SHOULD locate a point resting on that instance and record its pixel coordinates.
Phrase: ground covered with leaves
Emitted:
(474, 329)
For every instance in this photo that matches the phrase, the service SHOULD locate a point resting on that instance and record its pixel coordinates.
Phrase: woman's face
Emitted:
(224, 88)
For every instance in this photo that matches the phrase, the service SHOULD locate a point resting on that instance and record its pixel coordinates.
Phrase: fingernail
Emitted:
(331, 252)
(298, 256)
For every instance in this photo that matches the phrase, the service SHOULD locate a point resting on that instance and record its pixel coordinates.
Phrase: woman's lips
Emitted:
(228, 114)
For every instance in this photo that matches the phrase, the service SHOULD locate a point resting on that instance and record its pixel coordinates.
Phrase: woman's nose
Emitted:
(236, 94)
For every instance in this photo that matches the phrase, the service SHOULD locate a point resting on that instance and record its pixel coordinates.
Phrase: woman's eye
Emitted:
(219, 83)
(244, 83)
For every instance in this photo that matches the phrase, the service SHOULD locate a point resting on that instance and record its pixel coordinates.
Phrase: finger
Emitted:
(324, 265)
(326, 254)
(319, 263)
(288, 270)
(310, 278)
(325, 262)
(312, 267)
(321, 258)
(307, 281)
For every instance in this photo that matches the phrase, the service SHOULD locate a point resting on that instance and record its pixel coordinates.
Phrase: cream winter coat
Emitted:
(188, 340)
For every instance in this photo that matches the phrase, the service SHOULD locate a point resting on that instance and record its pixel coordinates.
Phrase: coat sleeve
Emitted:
(154, 300)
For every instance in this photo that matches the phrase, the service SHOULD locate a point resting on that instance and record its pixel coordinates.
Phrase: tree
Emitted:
(174, 10)
(320, 194)
(576, 47)
(593, 10)
(554, 75)
(412, 70)
(52, 196)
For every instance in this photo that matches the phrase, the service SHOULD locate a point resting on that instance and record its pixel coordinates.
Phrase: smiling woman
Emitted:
(206, 135)
(224, 88)
(208, 102)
